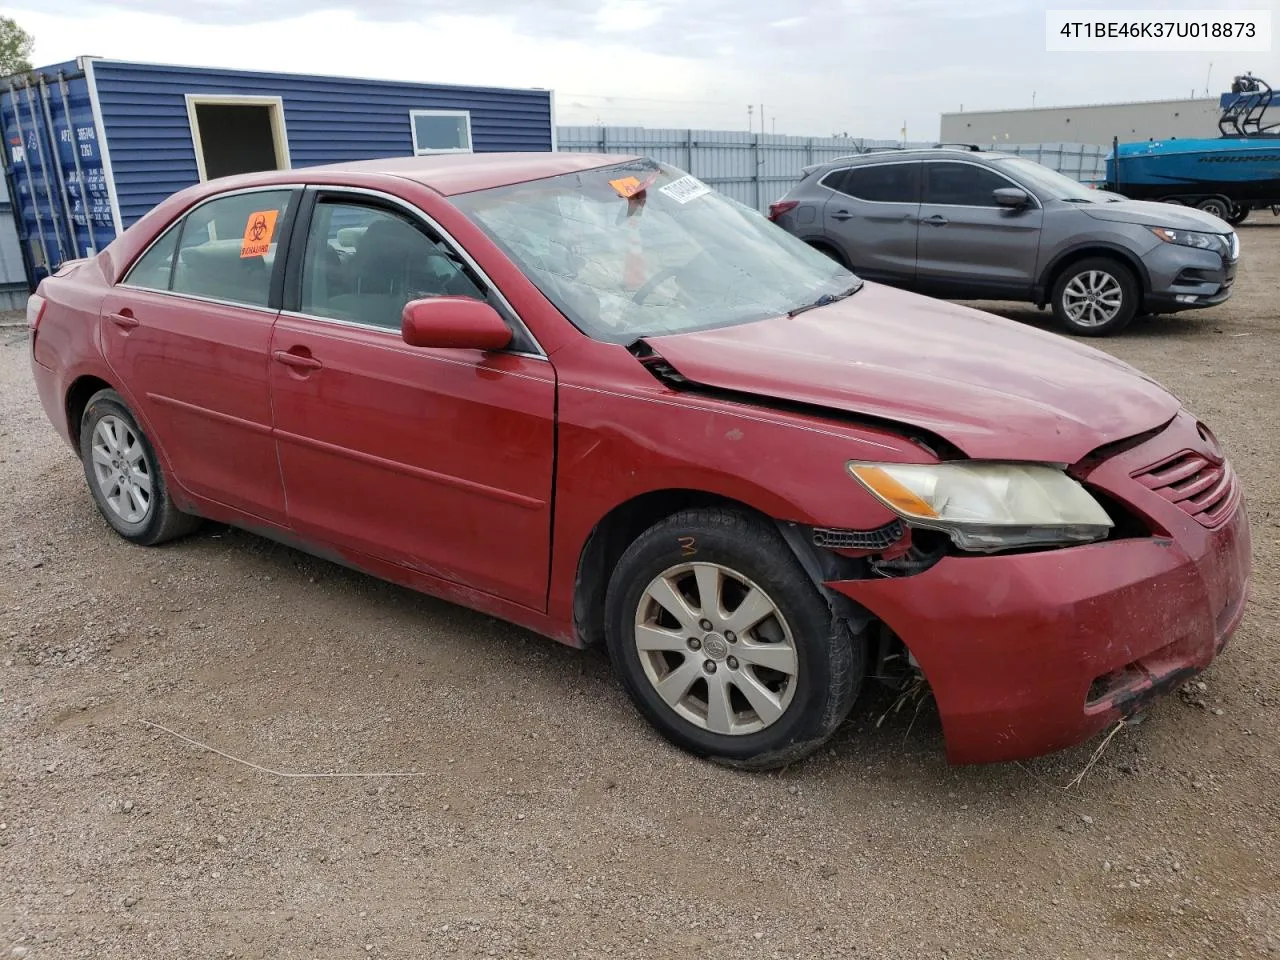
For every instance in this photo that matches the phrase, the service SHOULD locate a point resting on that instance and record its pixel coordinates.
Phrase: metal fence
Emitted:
(757, 168)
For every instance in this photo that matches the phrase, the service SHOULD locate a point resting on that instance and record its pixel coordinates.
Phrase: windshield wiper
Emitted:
(825, 299)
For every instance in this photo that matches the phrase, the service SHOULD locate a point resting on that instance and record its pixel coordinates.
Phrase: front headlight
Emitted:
(988, 506)
(1189, 238)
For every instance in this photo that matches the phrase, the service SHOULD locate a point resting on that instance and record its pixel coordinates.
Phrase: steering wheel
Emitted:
(651, 284)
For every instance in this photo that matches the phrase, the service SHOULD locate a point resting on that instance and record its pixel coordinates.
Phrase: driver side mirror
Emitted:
(460, 323)
(1011, 197)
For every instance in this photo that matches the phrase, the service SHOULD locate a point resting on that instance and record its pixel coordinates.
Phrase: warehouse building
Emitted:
(1096, 123)
(93, 144)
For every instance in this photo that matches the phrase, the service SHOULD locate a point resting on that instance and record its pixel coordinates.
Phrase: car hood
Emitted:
(994, 388)
(1149, 214)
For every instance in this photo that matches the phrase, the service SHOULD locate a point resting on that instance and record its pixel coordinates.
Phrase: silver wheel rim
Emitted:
(716, 649)
(121, 470)
(1092, 298)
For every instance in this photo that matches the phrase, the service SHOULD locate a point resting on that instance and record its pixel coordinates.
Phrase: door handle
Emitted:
(842, 215)
(298, 360)
(936, 221)
(125, 321)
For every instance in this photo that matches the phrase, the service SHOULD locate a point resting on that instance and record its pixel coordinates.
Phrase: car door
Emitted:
(968, 244)
(187, 333)
(871, 217)
(437, 460)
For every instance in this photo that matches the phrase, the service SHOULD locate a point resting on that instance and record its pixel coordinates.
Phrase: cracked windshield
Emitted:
(643, 249)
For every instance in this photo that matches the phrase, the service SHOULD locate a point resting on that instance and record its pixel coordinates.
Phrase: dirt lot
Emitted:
(546, 819)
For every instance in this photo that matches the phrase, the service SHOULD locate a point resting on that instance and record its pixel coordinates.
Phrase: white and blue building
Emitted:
(92, 144)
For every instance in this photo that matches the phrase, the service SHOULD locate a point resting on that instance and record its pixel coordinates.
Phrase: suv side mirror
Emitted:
(1011, 197)
(460, 323)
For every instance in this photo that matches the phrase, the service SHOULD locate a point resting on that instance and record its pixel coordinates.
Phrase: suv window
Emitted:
(363, 263)
(961, 185)
(879, 182)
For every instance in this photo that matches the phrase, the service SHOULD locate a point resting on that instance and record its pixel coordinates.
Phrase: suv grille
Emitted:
(1206, 490)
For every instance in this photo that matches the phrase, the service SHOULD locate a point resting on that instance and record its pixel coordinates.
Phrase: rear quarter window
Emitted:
(878, 183)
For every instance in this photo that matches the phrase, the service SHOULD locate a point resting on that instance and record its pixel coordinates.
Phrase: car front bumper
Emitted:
(1183, 278)
(1031, 653)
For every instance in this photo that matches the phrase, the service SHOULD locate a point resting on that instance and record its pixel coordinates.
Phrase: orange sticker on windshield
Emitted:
(258, 232)
(627, 187)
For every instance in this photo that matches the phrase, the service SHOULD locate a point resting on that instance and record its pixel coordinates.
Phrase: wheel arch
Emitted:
(77, 398)
(1085, 251)
(618, 528)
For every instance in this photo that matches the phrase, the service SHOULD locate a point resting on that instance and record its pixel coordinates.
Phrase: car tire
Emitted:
(1107, 280)
(1238, 213)
(757, 701)
(124, 474)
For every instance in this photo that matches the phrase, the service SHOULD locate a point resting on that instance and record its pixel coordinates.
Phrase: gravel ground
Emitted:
(542, 817)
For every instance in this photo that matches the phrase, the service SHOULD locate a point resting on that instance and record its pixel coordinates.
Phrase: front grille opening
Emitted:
(1206, 490)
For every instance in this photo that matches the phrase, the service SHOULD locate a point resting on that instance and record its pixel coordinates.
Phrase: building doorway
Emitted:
(237, 135)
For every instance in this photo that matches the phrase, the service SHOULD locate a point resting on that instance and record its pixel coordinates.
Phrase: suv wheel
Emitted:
(1095, 297)
(725, 645)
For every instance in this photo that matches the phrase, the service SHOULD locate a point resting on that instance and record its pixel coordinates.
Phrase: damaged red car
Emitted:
(592, 396)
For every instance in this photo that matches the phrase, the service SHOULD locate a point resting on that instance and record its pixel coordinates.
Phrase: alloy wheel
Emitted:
(121, 470)
(716, 648)
(1092, 298)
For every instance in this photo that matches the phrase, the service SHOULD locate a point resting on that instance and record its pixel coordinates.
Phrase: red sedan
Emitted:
(592, 396)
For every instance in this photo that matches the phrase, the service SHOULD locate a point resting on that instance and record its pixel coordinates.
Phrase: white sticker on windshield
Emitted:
(685, 189)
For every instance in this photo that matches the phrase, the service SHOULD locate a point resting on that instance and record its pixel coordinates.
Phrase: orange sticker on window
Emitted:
(627, 187)
(258, 233)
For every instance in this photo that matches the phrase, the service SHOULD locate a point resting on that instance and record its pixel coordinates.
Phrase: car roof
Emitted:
(448, 174)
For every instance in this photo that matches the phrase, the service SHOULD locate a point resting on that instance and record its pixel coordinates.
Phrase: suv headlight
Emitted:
(985, 506)
(1189, 238)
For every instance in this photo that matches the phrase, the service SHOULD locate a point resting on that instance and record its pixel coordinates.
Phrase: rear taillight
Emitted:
(780, 207)
(36, 307)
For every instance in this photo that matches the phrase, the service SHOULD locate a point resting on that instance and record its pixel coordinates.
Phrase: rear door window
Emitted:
(228, 247)
(879, 183)
(961, 185)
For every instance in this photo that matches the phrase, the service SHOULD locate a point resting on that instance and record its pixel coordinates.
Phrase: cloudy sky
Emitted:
(866, 67)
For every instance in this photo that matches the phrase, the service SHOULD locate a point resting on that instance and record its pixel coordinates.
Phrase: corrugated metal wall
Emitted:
(13, 277)
(328, 120)
(62, 207)
(756, 169)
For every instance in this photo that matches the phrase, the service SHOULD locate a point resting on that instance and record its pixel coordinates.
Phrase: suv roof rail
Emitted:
(971, 147)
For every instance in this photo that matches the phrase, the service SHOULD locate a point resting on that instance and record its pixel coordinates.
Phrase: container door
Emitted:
(59, 192)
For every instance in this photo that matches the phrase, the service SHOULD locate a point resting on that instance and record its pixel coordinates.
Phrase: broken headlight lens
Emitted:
(986, 507)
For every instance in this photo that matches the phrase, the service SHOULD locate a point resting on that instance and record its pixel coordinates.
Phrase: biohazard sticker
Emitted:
(258, 232)
(685, 189)
(627, 187)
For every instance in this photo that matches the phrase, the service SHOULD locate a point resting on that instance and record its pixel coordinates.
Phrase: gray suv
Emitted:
(969, 224)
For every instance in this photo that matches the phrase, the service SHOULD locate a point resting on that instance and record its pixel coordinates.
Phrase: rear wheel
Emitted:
(724, 643)
(1096, 297)
(124, 474)
(1237, 213)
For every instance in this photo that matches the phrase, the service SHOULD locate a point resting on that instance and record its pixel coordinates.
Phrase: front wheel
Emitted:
(1095, 297)
(724, 643)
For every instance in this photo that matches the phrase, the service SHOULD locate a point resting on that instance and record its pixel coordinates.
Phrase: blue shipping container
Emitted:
(91, 145)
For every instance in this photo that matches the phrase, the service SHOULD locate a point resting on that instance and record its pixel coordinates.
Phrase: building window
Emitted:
(440, 131)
